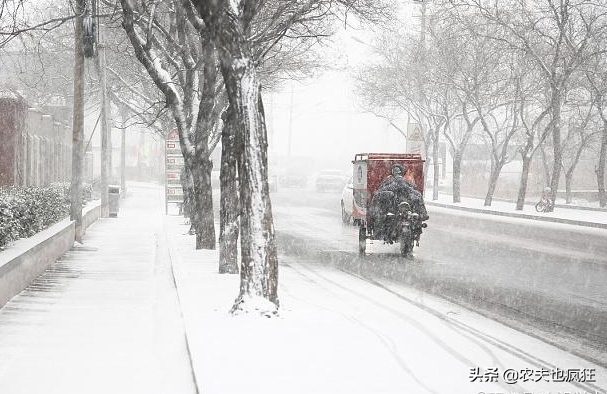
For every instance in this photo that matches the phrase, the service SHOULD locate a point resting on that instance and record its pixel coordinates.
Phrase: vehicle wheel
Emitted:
(362, 240)
(345, 218)
(540, 206)
(406, 244)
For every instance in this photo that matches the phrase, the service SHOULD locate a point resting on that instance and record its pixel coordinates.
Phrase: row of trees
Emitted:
(512, 74)
(210, 62)
(201, 68)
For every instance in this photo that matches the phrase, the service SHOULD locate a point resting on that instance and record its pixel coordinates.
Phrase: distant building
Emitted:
(35, 145)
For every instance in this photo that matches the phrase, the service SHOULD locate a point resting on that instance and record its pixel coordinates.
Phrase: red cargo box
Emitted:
(371, 169)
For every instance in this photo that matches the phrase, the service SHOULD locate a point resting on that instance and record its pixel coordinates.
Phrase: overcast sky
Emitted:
(329, 122)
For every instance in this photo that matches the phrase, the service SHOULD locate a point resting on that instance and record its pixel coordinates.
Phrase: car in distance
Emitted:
(329, 180)
(293, 180)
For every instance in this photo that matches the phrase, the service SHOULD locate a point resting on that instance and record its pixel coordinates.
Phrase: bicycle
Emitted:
(545, 204)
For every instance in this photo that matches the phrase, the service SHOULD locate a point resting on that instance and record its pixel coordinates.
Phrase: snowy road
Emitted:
(548, 286)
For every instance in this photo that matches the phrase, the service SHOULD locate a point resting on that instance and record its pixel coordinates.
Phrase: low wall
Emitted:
(521, 215)
(91, 215)
(28, 258)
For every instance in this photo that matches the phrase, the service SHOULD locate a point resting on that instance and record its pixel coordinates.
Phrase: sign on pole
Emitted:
(173, 164)
(415, 138)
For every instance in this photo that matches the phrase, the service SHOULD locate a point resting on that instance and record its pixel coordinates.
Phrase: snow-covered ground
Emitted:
(107, 319)
(338, 333)
(592, 216)
(103, 319)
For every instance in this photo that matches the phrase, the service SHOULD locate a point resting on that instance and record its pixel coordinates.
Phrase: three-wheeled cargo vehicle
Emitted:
(369, 171)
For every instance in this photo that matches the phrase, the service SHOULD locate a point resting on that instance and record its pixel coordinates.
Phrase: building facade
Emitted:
(35, 146)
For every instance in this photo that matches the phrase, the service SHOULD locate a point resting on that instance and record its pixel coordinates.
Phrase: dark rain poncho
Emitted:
(404, 191)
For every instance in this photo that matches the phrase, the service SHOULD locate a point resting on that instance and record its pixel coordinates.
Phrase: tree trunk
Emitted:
(426, 165)
(493, 177)
(545, 166)
(556, 141)
(229, 210)
(202, 215)
(522, 190)
(571, 170)
(600, 169)
(204, 221)
(457, 170)
(568, 184)
(78, 125)
(435, 166)
(259, 259)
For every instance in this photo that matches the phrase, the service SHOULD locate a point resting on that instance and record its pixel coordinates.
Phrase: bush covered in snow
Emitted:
(24, 211)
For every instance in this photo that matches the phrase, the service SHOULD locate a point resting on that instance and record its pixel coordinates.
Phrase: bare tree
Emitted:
(21, 17)
(534, 129)
(228, 24)
(398, 84)
(166, 44)
(462, 63)
(555, 35)
(600, 167)
(581, 132)
(596, 75)
(246, 33)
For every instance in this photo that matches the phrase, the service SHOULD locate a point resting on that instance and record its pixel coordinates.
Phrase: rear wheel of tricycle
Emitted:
(406, 244)
(362, 240)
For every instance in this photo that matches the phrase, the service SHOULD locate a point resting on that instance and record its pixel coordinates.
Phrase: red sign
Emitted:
(173, 135)
(174, 159)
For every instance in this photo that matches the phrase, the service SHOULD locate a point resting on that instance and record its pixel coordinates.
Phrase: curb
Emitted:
(564, 206)
(519, 215)
(174, 256)
(579, 207)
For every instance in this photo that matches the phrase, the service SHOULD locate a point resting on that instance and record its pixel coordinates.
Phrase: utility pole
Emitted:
(270, 119)
(78, 123)
(290, 123)
(105, 145)
(123, 163)
(124, 116)
(422, 34)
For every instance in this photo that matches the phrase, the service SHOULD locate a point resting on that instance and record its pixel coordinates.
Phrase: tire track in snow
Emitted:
(386, 341)
(460, 357)
(509, 348)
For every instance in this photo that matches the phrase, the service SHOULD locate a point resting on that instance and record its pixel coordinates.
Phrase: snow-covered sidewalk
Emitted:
(338, 333)
(104, 318)
(590, 218)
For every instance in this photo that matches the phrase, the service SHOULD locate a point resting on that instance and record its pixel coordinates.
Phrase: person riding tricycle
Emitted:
(388, 199)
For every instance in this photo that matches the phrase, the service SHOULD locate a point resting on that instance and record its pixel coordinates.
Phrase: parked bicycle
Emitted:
(545, 204)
